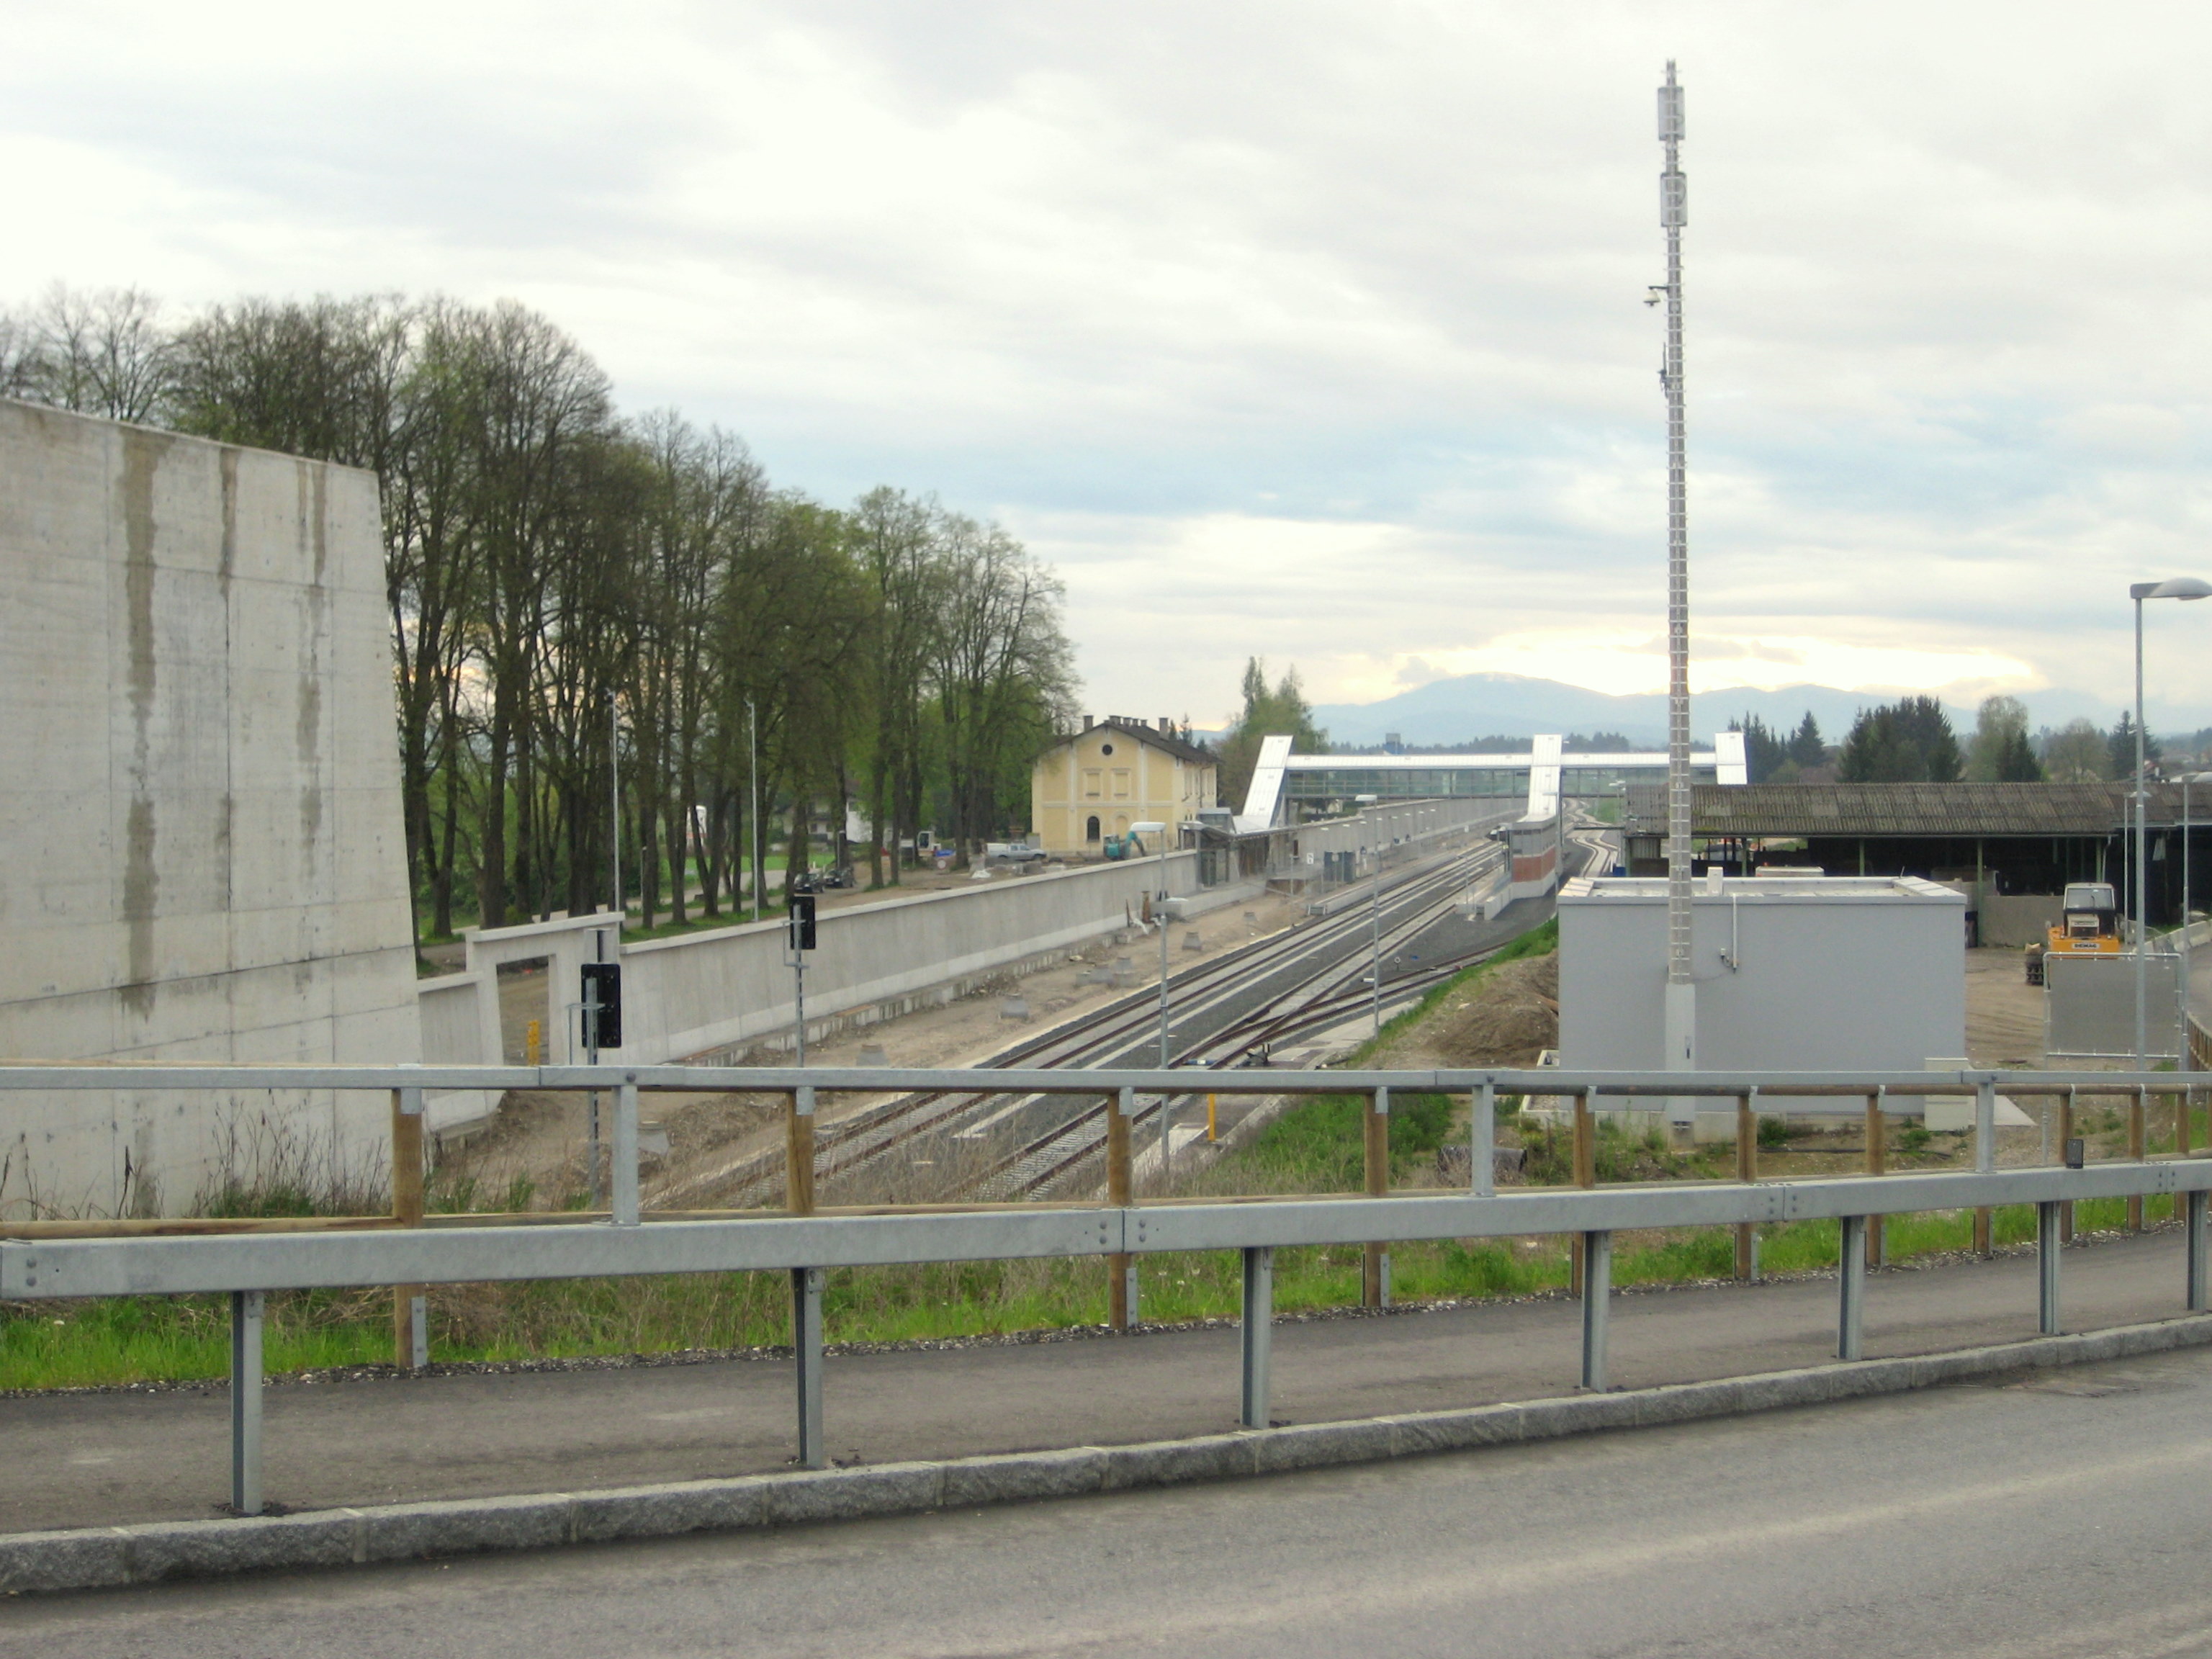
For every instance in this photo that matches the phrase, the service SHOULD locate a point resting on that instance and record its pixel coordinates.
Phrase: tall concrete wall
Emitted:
(200, 841)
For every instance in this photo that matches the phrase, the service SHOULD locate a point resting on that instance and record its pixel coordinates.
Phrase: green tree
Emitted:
(2121, 748)
(1910, 741)
(1806, 748)
(2077, 753)
(1999, 751)
(1277, 713)
(1764, 753)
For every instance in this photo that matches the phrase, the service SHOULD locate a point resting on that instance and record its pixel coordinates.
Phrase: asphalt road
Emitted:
(95, 1459)
(2060, 1514)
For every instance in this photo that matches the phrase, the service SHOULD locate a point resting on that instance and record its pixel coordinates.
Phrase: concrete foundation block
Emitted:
(33, 1561)
(1172, 1463)
(199, 1549)
(851, 1494)
(669, 1511)
(1025, 1477)
(1322, 1445)
(398, 1532)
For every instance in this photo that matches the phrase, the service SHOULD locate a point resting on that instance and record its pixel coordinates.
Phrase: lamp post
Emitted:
(2176, 588)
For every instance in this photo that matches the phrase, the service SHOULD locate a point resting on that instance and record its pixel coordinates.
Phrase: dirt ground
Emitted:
(541, 1138)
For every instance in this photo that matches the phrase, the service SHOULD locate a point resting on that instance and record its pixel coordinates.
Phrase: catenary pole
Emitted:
(1681, 993)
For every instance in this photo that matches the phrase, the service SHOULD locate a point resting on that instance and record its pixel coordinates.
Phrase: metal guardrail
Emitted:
(247, 1260)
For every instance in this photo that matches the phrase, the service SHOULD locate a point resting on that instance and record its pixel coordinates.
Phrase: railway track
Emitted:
(1318, 956)
(1034, 1169)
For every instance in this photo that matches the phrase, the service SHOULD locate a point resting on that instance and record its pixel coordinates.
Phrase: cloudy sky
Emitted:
(1311, 330)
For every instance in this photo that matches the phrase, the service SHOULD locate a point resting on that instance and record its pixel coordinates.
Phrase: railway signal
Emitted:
(799, 939)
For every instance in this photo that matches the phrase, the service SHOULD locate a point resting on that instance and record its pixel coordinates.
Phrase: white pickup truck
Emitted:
(1014, 851)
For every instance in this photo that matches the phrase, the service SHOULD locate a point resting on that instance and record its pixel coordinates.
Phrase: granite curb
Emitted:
(105, 1558)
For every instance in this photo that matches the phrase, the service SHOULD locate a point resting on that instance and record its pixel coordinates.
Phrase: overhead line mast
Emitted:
(1681, 1019)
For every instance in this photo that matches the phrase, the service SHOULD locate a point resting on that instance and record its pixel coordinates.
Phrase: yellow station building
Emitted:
(1111, 775)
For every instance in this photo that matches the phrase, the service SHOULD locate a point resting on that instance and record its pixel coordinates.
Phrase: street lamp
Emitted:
(2176, 588)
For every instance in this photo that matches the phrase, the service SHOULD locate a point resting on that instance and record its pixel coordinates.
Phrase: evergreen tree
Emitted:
(1910, 741)
(2121, 748)
(1763, 752)
(1806, 747)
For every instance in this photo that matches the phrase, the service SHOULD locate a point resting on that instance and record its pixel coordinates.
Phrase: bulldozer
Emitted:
(2088, 925)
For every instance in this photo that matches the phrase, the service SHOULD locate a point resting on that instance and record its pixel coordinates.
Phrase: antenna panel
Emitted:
(1670, 113)
(1674, 200)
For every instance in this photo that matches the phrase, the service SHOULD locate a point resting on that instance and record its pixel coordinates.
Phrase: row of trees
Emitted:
(575, 594)
(1912, 741)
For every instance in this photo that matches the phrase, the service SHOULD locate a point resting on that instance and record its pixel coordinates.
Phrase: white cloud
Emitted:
(1311, 331)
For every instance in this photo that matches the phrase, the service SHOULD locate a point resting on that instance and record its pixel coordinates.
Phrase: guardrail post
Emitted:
(1747, 1170)
(2065, 1139)
(1583, 1147)
(1121, 1266)
(246, 1311)
(799, 1152)
(1985, 1156)
(2135, 1155)
(2193, 1243)
(1850, 1295)
(1375, 1259)
(1259, 1334)
(411, 1312)
(624, 1199)
(2047, 1259)
(1877, 1164)
(1482, 1144)
(2181, 1124)
(807, 1345)
(1597, 1254)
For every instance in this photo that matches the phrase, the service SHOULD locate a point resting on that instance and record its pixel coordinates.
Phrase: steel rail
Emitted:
(867, 1138)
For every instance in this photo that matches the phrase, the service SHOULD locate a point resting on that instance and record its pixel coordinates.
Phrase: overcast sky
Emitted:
(1315, 331)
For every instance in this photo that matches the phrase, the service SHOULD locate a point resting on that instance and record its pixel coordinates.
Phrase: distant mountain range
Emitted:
(1482, 705)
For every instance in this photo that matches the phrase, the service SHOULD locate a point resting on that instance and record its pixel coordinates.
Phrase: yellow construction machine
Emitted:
(2088, 925)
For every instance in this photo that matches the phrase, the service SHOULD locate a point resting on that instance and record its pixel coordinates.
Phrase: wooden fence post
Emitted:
(409, 1312)
(1375, 1259)
(1747, 1168)
(2134, 1155)
(798, 1153)
(1877, 1163)
(1584, 1145)
(2065, 1134)
(1120, 1267)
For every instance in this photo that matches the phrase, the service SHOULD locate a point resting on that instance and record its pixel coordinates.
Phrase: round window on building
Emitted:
(1105, 747)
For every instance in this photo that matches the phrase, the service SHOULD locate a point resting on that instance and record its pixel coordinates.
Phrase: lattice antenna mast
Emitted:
(1674, 214)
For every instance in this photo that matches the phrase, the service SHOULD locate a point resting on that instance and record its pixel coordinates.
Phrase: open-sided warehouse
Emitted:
(1997, 841)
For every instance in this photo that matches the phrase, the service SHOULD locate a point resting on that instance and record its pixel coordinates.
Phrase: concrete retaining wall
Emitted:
(201, 853)
(727, 989)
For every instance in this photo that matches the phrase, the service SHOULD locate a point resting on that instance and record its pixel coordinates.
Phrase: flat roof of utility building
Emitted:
(1762, 890)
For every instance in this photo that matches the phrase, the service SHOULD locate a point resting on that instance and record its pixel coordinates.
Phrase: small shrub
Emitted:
(1773, 1131)
(1914, 1138)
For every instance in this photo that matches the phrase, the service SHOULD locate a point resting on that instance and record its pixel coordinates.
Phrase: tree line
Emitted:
(1912, 741)
(580, 597)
